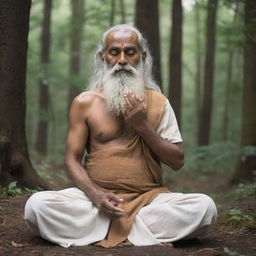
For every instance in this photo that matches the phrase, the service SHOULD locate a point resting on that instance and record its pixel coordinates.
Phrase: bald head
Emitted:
(122, 48)
(123, 44)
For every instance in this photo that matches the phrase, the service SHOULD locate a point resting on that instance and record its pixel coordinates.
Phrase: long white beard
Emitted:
(117, 84)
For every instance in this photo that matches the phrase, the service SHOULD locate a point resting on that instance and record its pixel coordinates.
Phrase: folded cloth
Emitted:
(132, 172)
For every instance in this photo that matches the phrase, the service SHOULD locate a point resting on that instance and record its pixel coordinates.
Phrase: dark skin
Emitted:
(89, 115)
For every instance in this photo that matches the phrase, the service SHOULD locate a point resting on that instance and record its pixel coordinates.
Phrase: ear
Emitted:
(101, 55)
(144, 55)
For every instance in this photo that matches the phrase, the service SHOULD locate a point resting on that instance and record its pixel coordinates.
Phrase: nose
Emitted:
(122, 60)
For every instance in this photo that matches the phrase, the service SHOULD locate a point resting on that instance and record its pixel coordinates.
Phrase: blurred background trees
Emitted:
(204, 60)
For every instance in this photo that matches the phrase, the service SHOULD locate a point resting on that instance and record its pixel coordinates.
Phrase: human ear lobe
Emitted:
(101, 55)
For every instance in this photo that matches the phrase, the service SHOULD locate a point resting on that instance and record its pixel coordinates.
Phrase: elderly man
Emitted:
(127, 128)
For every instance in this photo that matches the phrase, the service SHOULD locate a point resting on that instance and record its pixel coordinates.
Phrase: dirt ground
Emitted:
(16, 238)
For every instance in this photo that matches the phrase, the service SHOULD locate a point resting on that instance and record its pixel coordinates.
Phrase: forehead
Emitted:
(123, 37)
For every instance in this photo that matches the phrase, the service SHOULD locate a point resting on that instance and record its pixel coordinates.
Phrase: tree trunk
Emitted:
(198, 76)
(147, 10)
(247, 160)
(112, 13)
(175, 60)
(227, 98)
(76, 32)
(231, 50)
(122, 9)
(206, 108)
(42, 127)
(14, 160)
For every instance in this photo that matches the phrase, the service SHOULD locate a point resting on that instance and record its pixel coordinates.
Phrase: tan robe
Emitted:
(131, 172)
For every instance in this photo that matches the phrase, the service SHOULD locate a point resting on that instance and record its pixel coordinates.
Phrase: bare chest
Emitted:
(106, 129)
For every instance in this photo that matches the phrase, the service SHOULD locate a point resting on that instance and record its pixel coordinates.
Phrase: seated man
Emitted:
(127, 128)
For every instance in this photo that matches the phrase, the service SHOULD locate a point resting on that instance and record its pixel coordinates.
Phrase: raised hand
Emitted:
(135, 111)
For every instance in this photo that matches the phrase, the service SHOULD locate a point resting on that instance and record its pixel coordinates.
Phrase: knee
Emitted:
(33, 205)
(209, 206)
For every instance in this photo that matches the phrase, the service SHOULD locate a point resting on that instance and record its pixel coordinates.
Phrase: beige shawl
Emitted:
(131, 172)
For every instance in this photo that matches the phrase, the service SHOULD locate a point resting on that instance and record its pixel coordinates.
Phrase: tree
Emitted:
(44, 97)
(247, 160)
(198, 53)
(147, 10)
(206, 107)
(122, 10)
(14, 160)
(175, 60)
(112, 13)
(76, 31)
(230, 51)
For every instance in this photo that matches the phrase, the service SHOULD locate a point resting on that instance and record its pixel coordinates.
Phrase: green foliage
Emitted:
(97, 17)
(238, 216)
(13, 190)
(237, 221)
(50, 169)
(227, 252)
(244, 190)
(248, 151)
(213, 158)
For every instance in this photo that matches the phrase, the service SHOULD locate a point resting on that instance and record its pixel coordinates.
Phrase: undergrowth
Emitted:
(13, 190)
(212, 158)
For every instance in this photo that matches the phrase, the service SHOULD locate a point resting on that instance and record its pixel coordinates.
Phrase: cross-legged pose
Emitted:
(127, 127)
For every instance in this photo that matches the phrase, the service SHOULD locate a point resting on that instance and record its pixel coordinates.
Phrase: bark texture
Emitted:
(44, 101)
(14, 160)
(112, 13)
(230, 63)
(76, 32)
(198, 57)
(247, 160)
(206, 108)
(147, 21)
(122, 11)
(175, 60)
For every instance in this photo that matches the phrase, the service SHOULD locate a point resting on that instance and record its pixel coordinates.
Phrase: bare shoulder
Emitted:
(85, 99)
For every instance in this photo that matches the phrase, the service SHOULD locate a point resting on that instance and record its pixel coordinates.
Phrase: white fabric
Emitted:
(68, 218)
(168, 128)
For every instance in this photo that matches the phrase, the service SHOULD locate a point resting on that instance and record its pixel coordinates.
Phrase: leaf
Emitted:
(235, 212)
(19, 245)
(236, 218)
(12, 185)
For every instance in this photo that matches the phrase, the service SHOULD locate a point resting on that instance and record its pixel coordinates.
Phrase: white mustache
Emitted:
(127, 68)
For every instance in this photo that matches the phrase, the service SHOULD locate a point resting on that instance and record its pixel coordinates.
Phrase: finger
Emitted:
(115, 198)
(132, 99)
(111, 207)
(127, 103)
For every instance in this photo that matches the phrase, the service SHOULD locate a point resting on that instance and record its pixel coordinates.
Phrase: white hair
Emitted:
(98, 74)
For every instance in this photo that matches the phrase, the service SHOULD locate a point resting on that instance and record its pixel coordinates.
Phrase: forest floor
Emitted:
(234, 234)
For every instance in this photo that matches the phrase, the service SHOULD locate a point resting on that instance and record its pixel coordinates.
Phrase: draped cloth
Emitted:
(132, 172)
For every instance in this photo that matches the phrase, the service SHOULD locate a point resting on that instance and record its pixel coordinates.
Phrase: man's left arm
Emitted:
(171, 154)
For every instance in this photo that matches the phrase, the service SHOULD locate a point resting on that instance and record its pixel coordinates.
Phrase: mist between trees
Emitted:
(204, 60)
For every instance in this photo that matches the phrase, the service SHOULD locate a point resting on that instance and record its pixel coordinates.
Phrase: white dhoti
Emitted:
(68, 218)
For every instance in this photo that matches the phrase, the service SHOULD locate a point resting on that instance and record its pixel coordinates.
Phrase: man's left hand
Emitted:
(135, 111)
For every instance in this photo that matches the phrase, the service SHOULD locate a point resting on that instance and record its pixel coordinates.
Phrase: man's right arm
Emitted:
(75, 145)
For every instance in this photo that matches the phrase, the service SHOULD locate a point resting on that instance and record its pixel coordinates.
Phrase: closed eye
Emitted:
(130, 51)
(114, 51)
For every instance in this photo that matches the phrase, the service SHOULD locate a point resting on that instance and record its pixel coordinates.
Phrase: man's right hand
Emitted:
(109, 204)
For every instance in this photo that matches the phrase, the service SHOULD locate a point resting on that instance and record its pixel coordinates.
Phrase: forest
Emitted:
(204, 60)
